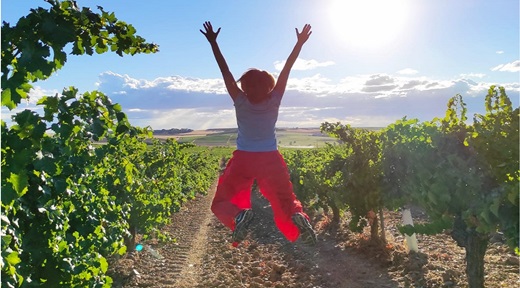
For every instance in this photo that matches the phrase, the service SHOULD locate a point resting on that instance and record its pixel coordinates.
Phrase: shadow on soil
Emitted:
(331, 263)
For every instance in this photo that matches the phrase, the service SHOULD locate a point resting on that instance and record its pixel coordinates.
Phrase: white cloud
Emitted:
(508, 67)
(379, 83)
(194, 118)
(110, 80)
(37, 93)
(302, 64)
(473, 75)
(360, 100)
(407, 71)
(500, 52)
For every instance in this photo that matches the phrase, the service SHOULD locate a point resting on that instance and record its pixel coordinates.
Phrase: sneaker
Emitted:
(307, 234)
(242, 220)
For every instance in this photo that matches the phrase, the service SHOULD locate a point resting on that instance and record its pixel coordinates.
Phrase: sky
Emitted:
(367, 63)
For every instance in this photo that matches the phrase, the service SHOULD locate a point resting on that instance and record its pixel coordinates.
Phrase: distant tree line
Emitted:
(172, 131)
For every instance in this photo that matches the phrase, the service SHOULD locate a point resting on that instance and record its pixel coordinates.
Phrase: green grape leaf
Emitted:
(20, 183)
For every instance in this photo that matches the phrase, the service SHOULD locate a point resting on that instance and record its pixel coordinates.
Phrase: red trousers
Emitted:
(270, 171)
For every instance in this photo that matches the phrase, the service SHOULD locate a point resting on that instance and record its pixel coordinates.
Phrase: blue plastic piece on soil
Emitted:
(138, 247)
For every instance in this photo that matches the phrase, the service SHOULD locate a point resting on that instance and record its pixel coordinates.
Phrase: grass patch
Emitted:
(287, 138)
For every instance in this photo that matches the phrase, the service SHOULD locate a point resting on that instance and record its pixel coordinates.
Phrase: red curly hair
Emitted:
(256, 84)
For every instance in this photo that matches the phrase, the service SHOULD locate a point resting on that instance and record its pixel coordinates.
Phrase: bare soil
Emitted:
(202, 256)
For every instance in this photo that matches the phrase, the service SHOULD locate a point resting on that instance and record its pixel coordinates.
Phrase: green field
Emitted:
(287, 138)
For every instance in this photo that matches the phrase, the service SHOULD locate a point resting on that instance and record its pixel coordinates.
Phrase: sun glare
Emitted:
(368, 24)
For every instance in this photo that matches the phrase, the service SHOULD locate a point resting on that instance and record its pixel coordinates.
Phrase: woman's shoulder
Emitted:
(275, 94)
(275, 97)
(241, 96)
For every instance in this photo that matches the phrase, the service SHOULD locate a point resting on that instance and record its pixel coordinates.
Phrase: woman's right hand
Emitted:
(210, 34)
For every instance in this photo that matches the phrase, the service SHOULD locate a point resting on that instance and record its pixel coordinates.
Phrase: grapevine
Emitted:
(78, 180)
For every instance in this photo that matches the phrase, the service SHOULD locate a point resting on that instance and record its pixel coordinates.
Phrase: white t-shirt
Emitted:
(256, 123)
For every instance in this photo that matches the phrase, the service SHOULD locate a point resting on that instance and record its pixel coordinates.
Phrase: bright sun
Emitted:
(368, 23)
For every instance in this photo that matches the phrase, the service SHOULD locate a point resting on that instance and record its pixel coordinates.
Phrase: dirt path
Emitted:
(202, 256)
(174, 263)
